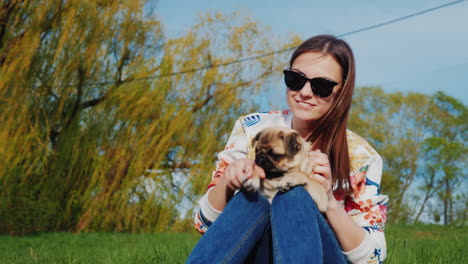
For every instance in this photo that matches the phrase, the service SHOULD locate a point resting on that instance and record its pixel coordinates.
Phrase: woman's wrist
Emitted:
(223, 187)
(333, 204)
(220, 195)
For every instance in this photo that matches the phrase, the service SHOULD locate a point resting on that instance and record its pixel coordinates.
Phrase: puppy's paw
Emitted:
(321, 204)
(252, 184)
(318, 194)
(286, 186)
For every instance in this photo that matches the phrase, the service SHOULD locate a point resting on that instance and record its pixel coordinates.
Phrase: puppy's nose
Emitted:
(260, 158)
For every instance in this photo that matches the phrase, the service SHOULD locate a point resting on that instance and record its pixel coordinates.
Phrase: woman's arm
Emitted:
(236, 173)
(223, 189)
(220, 194)
(349, 234)
(359, 225)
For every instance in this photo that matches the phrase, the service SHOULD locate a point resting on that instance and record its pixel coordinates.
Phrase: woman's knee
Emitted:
(297, 196)
(297, 193)
(246, 199)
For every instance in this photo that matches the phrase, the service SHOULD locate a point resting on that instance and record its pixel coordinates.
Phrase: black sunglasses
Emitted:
(320, 86)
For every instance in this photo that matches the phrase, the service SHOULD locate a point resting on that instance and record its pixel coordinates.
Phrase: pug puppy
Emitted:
(283, 154)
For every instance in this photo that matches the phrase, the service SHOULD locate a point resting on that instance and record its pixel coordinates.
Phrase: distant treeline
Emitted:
(97, 133)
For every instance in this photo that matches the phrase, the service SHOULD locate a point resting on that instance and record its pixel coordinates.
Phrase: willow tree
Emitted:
(104, 126)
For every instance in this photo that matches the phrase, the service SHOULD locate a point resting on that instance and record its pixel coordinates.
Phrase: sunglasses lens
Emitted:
(294, 80)
(322, 87)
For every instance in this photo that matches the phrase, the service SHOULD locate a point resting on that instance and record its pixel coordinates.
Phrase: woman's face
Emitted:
(306, 106)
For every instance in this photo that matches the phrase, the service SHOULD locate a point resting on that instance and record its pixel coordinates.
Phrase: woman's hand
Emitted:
(239, 171)
(322, 173)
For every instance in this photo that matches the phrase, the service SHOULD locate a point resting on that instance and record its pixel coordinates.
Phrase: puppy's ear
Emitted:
(291, 144)
(255, 139)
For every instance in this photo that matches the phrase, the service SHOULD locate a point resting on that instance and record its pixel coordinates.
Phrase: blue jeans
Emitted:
(250, 230)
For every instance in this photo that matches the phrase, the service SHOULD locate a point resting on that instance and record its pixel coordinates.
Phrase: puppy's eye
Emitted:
(276, 156)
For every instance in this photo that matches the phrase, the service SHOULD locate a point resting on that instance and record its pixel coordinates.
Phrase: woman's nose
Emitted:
(306, 90)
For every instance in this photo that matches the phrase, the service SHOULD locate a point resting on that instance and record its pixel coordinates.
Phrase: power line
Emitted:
(191, 70)
(278, 51)
(425, 74)
(400, 18)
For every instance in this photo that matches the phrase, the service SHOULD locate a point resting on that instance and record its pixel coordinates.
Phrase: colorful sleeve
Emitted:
(367, 207)
(236, 148)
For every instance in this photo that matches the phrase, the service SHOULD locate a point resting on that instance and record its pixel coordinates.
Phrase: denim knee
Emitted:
(252, 197)
(297, 193)
(294, 195)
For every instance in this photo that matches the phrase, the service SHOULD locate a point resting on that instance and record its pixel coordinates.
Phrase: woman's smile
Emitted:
(305, 105)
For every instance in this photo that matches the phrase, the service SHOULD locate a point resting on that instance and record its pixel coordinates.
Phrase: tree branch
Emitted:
(198, 106)
(79, 94)
(93, 102)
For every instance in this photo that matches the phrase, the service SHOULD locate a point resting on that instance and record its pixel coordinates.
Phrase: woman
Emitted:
(320, 84)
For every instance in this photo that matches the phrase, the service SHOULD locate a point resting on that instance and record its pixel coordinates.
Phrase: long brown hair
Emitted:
(330, 134)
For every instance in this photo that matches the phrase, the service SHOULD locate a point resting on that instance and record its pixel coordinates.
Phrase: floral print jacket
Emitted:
(366, 206)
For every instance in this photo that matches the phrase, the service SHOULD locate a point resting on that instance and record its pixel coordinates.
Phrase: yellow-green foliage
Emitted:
(87, 141)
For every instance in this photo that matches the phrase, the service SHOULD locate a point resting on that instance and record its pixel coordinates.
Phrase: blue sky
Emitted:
(422, 54)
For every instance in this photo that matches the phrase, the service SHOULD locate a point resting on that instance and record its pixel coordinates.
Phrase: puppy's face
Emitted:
(278, 149)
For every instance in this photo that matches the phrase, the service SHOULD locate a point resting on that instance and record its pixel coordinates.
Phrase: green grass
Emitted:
(97, 248)
(407, 244)
(426, 244)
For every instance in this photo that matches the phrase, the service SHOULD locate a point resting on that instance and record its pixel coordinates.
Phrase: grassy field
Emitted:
(407, 244)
